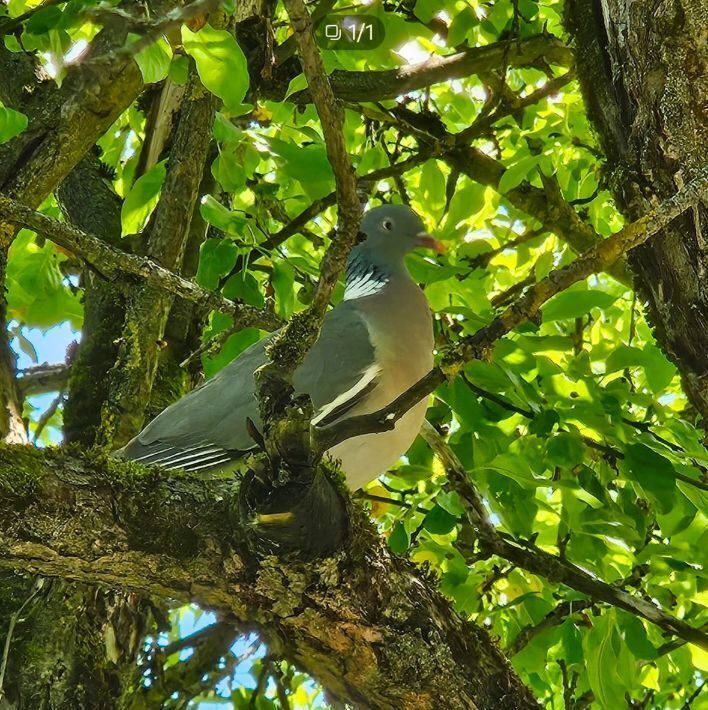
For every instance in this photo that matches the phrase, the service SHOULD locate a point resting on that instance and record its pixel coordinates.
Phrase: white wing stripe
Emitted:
(211, 464)
(369, 375)
(189, 454)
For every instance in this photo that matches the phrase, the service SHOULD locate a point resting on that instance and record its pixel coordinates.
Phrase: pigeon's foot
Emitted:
(304, 516)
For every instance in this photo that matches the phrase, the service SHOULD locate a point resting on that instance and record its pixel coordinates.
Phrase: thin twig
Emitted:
(274, 379)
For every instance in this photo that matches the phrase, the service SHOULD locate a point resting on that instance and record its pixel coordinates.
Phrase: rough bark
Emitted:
(63, 651)
(146, 317)
(367, 625)
(643, 69)
(12, 428)
(36, 161)
(90, 203)
(390, 83)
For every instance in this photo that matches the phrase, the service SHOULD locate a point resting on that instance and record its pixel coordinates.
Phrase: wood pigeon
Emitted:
(373, 346)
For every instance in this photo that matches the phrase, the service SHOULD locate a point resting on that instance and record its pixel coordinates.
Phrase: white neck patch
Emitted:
(364, 281)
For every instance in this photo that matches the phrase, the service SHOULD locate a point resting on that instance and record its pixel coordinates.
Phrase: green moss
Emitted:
(21, 471)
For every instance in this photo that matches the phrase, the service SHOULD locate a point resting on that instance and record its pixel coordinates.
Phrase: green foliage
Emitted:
(154, 61)
(141, 199)
(220, 63)
(576, 431)
(38, 294)
(12, 123)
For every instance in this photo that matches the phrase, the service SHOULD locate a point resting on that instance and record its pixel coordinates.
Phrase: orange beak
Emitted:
(428, 241)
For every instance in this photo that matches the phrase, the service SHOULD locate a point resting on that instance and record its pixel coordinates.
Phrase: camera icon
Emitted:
(350, 32)
(333, 32)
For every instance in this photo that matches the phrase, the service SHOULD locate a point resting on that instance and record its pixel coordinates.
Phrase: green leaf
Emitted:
(229, 173)
(572, 642)
(283, 283)
(515, 174)
(565, 449)
(635, 636)
(297, 84)
(398, 540)
(12, 123)
(308, 164)
(544, 422)
(179, 69)
(44, 20)
(141, 200)
(221, 64)
(460, 26)
(601, 659)
(653, 472)
(575, 303)
(425, 9)
(439, 522)
(243, 286)
(221, 217)
(154, 61)
(216, 259)
(432, 185)
(225, 131)
(658, 369)
(623, 357)
(450, 501)
(37, 292)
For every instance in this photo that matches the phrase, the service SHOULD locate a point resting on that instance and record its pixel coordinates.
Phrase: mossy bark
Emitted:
(148, 307)
(368, 625)
(642, 68)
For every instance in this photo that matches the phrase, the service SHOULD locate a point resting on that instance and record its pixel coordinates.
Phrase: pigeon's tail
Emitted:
(199, 457)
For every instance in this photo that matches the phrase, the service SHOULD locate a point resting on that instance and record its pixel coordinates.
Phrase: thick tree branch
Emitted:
(525, 307)
(36, 161)
(146, 314)
(32, 164)
(110, 262)
(390, 83)
(365, 624)
(89, 202)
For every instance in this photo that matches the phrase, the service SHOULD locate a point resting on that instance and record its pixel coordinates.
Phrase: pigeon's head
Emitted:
(392, 231)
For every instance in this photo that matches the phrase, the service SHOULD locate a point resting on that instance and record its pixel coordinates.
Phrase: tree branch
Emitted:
(554, 617)
(146, 314)
(310, 212)
(348, 207)
(365, 624)
(390, 83)
(547, 206)
(477, 528)
(484, 122)
(478, 345)
(42, 379)
(110, 262)
(289, 347)
(186, 676)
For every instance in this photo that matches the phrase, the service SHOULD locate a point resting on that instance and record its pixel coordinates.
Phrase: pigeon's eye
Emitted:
(387, 224)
